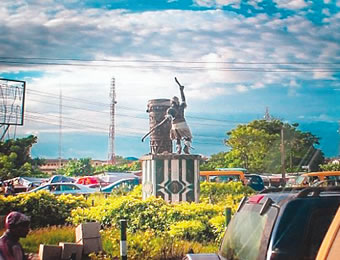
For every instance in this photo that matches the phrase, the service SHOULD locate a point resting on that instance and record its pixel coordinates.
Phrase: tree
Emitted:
(331, 166)
(124, 167)
(81, 167)
(15, 159)
(215, 161)
(256, 146)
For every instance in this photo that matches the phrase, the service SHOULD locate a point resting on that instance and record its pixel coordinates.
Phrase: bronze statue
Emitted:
(179, 128)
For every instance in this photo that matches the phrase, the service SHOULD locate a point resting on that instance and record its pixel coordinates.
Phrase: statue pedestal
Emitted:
(173, 177)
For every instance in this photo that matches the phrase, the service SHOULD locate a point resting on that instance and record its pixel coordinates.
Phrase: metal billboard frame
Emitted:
(15, 90)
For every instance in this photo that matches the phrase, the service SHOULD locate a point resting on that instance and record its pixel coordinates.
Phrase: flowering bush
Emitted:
(43, 207)
(194, 221)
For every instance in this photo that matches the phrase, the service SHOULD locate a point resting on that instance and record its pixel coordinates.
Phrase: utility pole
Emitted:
(111, 154)
(339, 141)
(60, 126)
(283, 157)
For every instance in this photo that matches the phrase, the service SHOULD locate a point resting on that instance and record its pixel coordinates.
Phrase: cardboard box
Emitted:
(91, 245)
(71, 249)
(87, 230)
(49, 252)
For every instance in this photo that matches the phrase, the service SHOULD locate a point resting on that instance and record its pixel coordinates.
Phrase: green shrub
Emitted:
(161, 217)
(149, 245)
(216, 193)
(218, 226)
(43, 207)
(189, 230)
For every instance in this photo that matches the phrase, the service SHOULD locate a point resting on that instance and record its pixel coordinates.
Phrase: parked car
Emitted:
(64, 188)
(308, 179)
(330, 247)
(60, 178)
(222, 176)
(127, 184)
(278, 224)
(254, 181)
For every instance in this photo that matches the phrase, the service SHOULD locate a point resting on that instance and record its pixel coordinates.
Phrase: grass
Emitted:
(48, 236)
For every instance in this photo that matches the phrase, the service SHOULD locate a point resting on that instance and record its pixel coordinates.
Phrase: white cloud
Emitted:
(217, 3)
(325, 11)
(241, 88)
(214, 51)
(291, 4)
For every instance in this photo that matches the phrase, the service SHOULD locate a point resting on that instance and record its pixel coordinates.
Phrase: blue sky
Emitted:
(234, 57)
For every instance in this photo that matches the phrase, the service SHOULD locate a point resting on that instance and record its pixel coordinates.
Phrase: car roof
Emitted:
(325, 173)
(117, 182)
(282, 195)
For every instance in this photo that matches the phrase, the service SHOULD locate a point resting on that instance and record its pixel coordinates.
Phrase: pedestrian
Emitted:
(17, 225)
(9, 188)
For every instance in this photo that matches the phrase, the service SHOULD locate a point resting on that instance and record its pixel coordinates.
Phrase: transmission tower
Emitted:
(111, 154)
(267, 116)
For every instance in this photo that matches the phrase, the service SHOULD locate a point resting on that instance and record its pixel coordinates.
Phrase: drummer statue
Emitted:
(180, 130)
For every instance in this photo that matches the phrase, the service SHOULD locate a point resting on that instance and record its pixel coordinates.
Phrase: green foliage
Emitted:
(124, 166)
(256, 147)
(149, 245)
(81, 167)
(43, 207)
(228, 194)
(193, 230)
(218, 226)
(48, 236)
(161, 217)
(216, 161)
(331, 166)
(15, 158)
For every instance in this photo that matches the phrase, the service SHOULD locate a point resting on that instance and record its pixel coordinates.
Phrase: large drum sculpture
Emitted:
(160, 141)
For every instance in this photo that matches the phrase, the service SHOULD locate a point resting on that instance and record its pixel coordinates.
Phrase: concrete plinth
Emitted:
(173, 177)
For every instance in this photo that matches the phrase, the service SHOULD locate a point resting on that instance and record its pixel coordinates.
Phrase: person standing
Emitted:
(17, 225)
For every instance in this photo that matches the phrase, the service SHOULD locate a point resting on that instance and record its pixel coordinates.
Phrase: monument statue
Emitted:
(180, 130)
(172, 176)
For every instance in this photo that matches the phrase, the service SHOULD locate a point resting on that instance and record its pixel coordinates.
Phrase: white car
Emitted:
(64, 188)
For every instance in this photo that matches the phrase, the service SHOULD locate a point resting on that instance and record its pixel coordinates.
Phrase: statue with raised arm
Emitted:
(179, 129)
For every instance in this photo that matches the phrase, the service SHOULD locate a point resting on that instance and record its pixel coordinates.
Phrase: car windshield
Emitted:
(246, 233)
(255, 180)
(224, 178)
(300, 179)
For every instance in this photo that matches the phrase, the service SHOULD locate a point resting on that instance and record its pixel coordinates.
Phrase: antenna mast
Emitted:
(111, 154)
(267, 116)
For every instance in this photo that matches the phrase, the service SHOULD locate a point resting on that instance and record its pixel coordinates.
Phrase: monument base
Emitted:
(173, 177)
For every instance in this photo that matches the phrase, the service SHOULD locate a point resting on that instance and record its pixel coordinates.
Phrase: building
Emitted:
(51, 165)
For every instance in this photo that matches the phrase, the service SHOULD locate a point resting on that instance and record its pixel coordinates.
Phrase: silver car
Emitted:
(64, 188)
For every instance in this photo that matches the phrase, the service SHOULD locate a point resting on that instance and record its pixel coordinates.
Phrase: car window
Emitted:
(69, 187)
(221, 178)
(300, 180)
(247, 233)
(203, 178)
(54, 187)
(320, 220)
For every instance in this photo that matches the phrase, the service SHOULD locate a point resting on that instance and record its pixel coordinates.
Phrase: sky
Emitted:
(235, 59)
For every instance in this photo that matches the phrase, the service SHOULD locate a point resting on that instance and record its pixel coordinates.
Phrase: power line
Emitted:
(125, 108)
(189, 68)
(133, 134)
(167, 61)
(40, 116)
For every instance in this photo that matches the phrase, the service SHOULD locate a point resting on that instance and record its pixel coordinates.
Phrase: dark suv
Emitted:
(278, 224)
